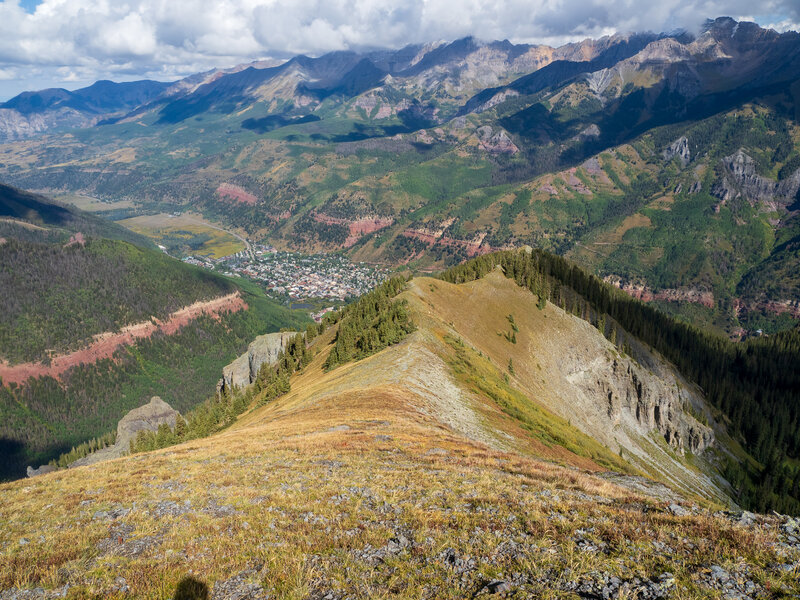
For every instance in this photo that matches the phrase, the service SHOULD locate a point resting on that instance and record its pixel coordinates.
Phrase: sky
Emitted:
(72, 43)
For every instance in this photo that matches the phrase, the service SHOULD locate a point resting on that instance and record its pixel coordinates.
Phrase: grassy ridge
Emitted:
(754, 384)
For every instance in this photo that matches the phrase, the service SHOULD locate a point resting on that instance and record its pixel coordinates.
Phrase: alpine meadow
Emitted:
(329, 301)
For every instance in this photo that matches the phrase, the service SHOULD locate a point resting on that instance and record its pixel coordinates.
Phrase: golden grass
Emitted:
(186, 227)
(304, 495)
(310, 506)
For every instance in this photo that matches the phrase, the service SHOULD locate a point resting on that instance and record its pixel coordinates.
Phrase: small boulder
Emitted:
(41, 470)
(678, 510)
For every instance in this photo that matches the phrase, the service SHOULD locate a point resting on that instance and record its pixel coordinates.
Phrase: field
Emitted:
(90, 204)
(187, 234)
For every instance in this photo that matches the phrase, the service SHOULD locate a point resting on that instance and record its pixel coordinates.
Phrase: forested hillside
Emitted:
(63, 283)
(56, 297)
(755, 385)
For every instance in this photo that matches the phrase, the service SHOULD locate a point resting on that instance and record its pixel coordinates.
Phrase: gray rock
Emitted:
(741, 179)
(498, 587)
(678, 510)
(41, 470)
(746, 518)
(719, 574)
(791, 526)
(112, 514)
(592, 131)
(679, 148)
(243, 371)
(34, 594)
(145, 418)
(238, 588)
(168, 508)
(436, 452)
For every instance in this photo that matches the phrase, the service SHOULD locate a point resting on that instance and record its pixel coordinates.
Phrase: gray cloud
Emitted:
(82, 40)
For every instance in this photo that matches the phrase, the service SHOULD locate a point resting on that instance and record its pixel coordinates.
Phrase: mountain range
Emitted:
(578, 381)
(667, 164)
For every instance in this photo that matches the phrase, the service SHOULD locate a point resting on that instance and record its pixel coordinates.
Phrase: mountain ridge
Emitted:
(448, 152)
(396, 475)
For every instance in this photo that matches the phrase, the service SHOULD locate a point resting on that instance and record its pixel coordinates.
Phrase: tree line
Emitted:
(754, 384)
(370, 324)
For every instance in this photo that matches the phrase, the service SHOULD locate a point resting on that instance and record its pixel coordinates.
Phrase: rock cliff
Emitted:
(679, 148)
(264, 349)
(144, 418)
(740, 179)
(654, 404)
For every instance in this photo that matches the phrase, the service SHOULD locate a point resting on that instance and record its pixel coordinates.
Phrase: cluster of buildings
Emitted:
(299, 276)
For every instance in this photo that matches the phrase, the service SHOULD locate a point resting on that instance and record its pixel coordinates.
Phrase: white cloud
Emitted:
(171, 38)
(784, 25)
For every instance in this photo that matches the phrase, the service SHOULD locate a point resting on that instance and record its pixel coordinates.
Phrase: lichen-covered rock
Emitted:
(264, 349)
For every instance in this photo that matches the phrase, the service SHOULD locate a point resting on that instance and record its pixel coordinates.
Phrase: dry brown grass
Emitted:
(302, 496)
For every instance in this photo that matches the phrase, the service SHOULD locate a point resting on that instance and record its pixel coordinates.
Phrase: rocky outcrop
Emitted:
(592, 131)
(145, 418)
(498, 98)
(495, 142)
(264, 349)
(655, 406)
(679, 148)
(17, 126)
(627, 400)
(642, 292)
(741, 180)
(41, 470)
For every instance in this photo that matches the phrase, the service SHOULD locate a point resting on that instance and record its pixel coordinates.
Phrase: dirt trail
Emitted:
(104, 345)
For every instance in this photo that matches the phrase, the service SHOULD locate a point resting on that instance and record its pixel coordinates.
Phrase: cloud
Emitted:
(171, 38)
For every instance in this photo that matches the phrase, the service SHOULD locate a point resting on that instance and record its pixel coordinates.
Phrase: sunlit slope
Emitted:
(415, 472)
(633, 407)
(561, 391)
